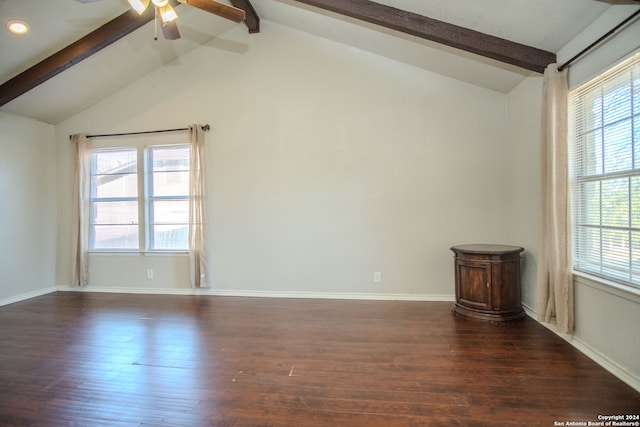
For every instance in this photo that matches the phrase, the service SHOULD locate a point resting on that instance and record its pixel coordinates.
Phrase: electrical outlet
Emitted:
(377, 277)
(149, 273)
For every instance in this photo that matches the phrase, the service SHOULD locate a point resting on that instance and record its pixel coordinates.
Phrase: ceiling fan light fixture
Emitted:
(139, 5)
(160, 3)
(167, 13)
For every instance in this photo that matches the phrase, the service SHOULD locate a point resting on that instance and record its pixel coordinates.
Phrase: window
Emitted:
(120, 220)
(168, 197)
(114, 199)
(605, 140)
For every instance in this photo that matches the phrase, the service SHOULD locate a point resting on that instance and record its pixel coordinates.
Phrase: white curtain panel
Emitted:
(80, 230)
(555, 278)
(197, 210)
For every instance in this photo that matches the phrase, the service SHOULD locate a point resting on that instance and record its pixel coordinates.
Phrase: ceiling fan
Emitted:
(167, 16)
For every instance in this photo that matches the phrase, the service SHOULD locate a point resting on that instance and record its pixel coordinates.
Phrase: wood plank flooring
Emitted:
(89, 359)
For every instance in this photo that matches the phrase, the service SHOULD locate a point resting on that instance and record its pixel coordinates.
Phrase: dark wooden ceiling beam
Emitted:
(441, 32)
(93, 42)
(251, 18)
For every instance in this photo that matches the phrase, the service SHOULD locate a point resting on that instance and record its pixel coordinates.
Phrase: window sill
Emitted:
(622, 291)
(138, 253)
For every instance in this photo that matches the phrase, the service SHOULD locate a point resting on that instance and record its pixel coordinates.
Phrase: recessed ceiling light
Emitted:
(17, 27)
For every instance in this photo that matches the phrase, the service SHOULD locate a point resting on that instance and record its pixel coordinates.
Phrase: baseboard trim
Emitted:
(261, 294)
(336, 295)
(27, 295)
(602, 360)
(117, 290)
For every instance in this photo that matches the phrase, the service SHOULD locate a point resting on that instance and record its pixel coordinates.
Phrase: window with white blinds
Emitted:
(604, 132)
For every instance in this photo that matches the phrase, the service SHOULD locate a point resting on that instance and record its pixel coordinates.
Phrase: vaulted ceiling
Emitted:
(489, 43)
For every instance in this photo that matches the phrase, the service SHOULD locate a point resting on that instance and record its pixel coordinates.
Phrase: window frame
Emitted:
(141, 145)
(93, 199)
(149, 197)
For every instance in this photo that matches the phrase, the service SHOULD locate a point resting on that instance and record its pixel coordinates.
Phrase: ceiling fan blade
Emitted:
(170, 30)
(229, 12)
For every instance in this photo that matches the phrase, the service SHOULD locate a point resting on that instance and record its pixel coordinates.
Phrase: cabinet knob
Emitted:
(487, 284)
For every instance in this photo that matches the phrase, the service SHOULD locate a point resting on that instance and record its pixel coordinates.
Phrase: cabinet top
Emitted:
(486, 249)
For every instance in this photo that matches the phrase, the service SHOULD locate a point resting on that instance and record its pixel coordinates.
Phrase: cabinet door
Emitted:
(506, 285)
(474, 289)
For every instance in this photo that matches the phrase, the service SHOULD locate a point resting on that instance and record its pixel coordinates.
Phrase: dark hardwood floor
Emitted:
(89, 359)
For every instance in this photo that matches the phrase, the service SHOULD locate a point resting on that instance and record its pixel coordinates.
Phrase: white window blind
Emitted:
(605, 143)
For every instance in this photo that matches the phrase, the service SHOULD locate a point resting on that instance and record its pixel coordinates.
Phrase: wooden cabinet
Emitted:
(488, 282)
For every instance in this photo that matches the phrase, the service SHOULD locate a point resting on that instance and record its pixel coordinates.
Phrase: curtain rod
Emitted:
(588, 48)
(204, 128)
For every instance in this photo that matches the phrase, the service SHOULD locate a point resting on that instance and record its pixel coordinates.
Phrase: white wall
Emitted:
(524, 106)
(28, 208)
(326, 163)
(605, 317)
